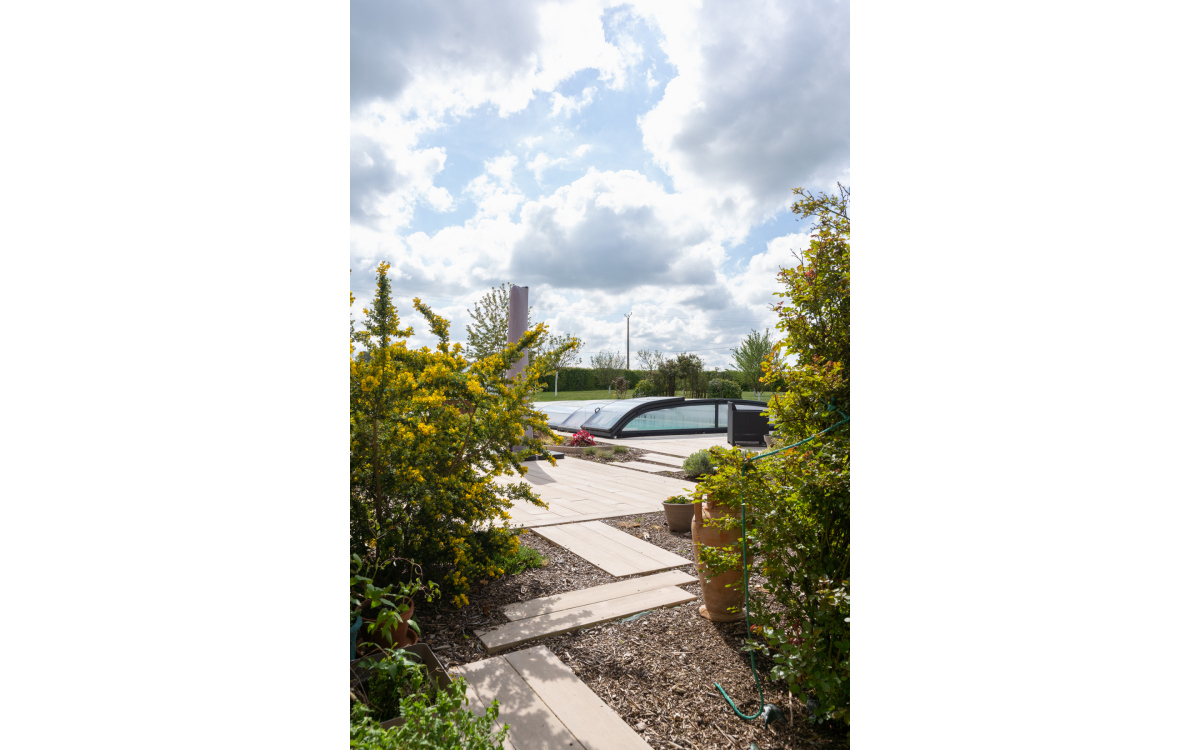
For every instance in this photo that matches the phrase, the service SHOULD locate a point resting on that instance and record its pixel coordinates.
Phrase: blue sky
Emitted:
(613, 157)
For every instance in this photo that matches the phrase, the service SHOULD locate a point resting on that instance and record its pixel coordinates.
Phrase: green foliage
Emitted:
(525, 558)
(724, 389)
(585, 379)
(620, 449)
(645, 388)
(679, 499)
(430, 431)
(753, 356)
(590, 451)
(433, 720)
(697, 464)
(606, 364)
(388, 602)
(690, 375)
(799, 501)
(487, 335)
(605, 454)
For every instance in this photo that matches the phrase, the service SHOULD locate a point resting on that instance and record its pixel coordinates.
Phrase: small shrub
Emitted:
(697, 464)
(583, 437)
(590, 451)
(438, 719)
(645, 388)
(620, 449)
(606, 454)
(679, 500)
(620, 386)
(525, 558)
(724, 389)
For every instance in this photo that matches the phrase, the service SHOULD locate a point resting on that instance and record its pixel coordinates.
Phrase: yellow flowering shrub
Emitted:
(430, 432)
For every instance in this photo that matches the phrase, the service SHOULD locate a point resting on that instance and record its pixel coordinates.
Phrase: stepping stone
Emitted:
(614, 552)
(558, 602)
(642, 466)
(542, 626)
(545, 704)
(660, 458)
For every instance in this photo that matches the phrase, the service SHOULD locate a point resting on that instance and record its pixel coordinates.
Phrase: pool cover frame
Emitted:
(656, 404)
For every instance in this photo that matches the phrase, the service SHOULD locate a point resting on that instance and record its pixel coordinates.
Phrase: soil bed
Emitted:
(658, 671)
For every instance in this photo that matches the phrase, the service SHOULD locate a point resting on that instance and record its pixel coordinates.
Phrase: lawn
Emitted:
(588, 395)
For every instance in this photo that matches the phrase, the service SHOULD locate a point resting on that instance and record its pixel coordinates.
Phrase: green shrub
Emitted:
(679, 500)
(434, 720)
(724, 389)
(645, 388)
(525, 558)
(431, 435)
(606, 454)
(697, 464)
(620, 449)
(590, 451)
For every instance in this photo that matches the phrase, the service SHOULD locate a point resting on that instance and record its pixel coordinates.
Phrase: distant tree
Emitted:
(489, 334)
(750, 356)
(691, 374)
(553, 357)
(607, 364)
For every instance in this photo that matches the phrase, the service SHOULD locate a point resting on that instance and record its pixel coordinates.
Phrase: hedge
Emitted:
(584, 379)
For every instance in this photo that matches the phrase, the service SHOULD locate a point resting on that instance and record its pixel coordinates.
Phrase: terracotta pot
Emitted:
(717, 598)
(679, 515)
(401, 635)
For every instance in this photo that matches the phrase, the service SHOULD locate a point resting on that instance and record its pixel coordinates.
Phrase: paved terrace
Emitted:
(580, 490)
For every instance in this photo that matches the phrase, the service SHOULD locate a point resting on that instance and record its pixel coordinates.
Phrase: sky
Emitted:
(613, 157)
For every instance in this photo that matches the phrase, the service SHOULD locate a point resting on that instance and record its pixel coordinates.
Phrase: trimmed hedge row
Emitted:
(584, 379)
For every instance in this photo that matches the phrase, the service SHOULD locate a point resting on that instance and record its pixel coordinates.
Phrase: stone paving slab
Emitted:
(613, 551)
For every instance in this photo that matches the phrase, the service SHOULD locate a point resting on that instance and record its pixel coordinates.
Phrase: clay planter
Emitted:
(679, 515)
(717, 598)
(401, 635)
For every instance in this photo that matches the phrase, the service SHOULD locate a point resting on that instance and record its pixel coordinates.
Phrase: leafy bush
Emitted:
(697, 464)
(800, 499)
(621, 449)
(679, 499)
(583, 437)
(724, 389)
(435, 720)
(430, 432)
(646, 387)
(525, 558)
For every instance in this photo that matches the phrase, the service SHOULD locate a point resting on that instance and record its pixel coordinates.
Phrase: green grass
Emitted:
(591, 395)
(522, 560)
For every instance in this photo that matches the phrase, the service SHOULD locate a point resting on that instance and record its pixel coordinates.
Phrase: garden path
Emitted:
(552, 615)
(545, 704)
(580, 490)
(613, 551)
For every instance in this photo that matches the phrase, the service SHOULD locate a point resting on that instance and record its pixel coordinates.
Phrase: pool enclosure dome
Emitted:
(651, 415)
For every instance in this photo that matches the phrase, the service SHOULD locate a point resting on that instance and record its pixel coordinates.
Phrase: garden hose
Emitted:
(769, 711)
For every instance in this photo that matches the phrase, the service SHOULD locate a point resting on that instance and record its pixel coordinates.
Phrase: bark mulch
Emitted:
(658, 671)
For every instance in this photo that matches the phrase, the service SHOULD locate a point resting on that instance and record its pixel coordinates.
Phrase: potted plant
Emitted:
(679, 512)
(393, 604)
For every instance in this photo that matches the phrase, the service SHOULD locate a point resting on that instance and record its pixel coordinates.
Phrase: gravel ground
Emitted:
(658, 671)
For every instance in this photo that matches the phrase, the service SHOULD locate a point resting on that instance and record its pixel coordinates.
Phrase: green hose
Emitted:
(746, 576)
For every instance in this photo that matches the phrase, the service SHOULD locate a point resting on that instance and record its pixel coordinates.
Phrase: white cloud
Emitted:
(571, 104)
(760, 104)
